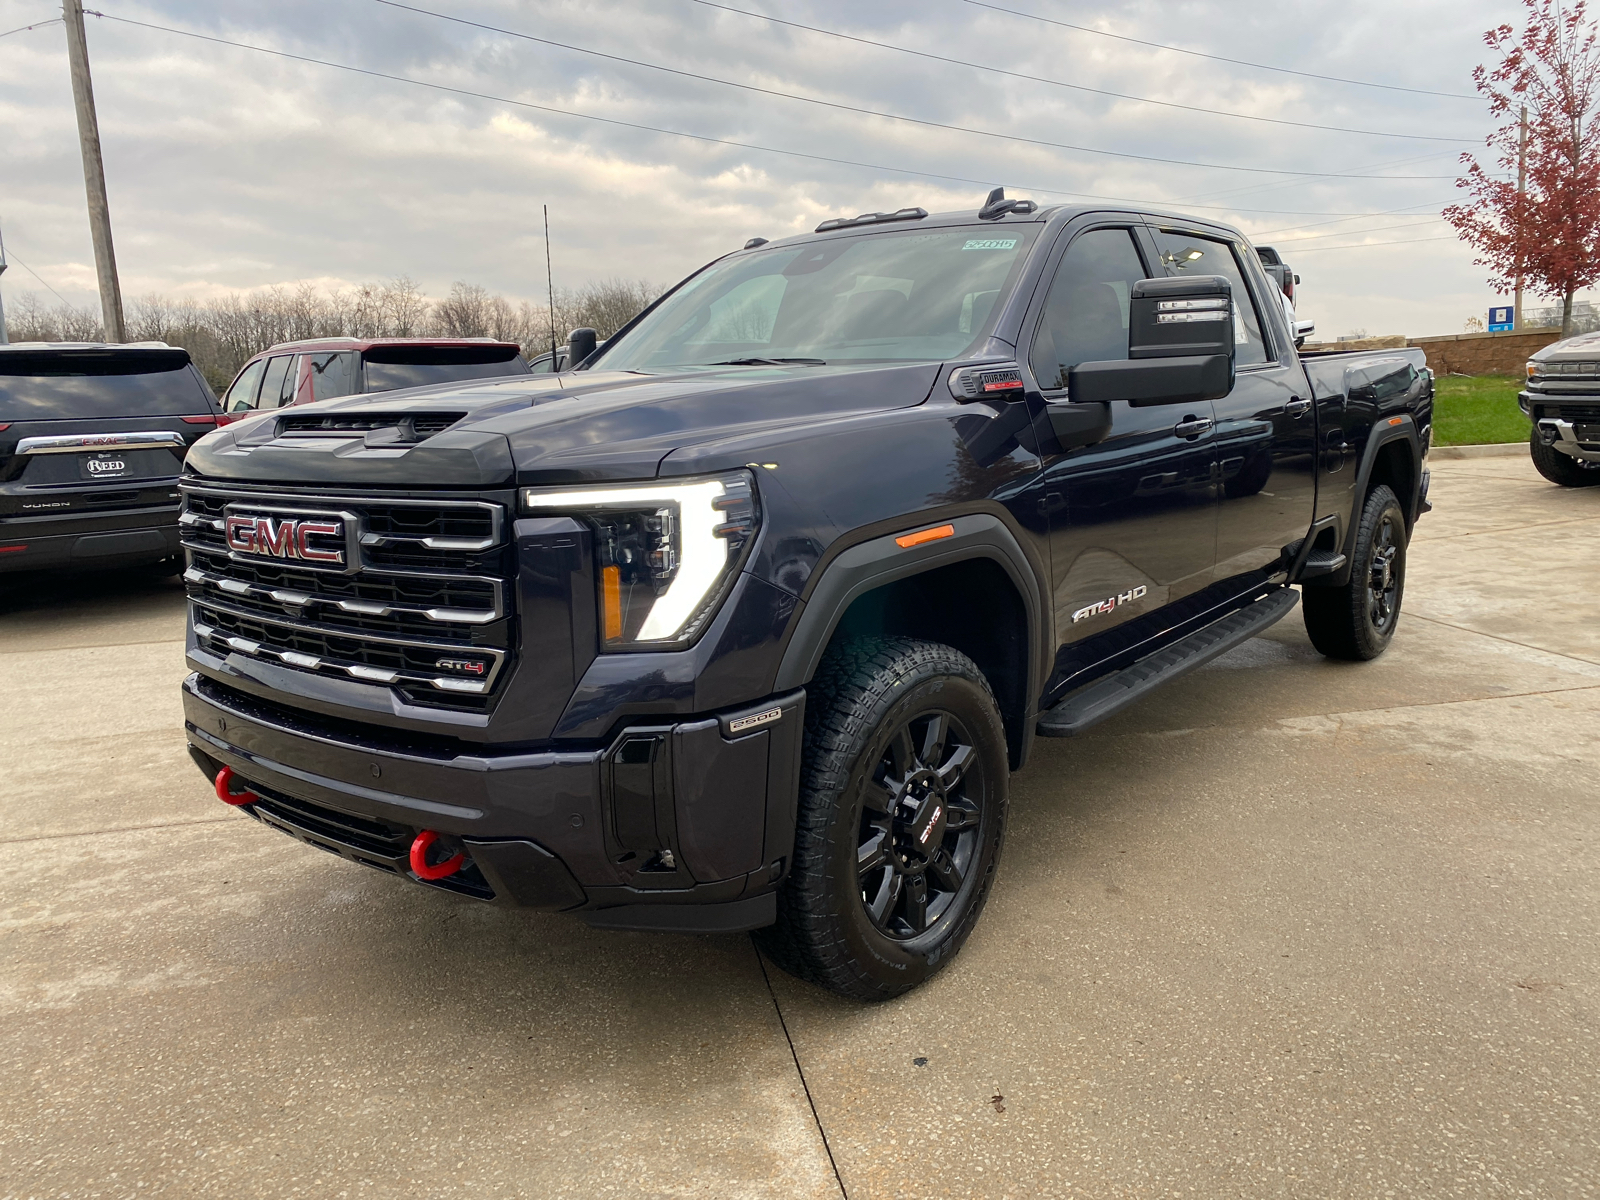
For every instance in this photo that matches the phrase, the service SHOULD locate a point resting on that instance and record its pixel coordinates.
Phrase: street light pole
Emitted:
(94, 173)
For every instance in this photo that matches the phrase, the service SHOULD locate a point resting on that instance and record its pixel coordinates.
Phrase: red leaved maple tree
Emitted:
(1549, 235)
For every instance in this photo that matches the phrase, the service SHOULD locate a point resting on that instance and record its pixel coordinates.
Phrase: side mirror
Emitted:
(580, 344)
(1180, 347)
(1303, 330)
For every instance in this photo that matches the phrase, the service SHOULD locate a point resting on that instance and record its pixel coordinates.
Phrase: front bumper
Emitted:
(681, 826)
(1581, 442)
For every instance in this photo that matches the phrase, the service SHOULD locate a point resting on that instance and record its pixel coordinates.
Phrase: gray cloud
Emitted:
(229, 169)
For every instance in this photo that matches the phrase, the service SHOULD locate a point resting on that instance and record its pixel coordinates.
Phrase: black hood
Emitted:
(584, 425)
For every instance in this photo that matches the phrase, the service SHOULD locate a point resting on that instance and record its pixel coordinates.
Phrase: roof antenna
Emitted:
(997, 206)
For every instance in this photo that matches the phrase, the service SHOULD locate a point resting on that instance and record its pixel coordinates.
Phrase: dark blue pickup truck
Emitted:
(745, 622)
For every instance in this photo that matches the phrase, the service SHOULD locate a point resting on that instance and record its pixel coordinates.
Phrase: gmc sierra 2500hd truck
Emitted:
(744, 623)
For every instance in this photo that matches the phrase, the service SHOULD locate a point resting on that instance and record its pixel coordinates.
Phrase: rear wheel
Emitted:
(1561, 468)
(1357, 621)
(902, 811)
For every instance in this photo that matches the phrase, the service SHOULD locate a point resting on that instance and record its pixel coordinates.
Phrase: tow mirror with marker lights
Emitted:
(665, 552)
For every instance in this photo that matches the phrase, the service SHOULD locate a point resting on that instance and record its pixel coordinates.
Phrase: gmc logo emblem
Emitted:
(288, 537)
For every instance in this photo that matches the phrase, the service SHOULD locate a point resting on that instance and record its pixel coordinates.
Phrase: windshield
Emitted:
(879, 297)
(103, 384)
(391, 367)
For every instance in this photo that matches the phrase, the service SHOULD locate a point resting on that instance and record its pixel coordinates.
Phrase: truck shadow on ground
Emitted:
(84, 595)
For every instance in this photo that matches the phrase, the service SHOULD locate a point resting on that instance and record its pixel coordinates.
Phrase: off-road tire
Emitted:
(1344, 622)
(866, 691)
(1561, 468)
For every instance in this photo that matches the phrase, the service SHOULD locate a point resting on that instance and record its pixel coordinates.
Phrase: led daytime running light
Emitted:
(703, 547)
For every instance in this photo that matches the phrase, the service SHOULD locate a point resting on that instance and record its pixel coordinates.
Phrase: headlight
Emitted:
(1535, 369)
(665, 552)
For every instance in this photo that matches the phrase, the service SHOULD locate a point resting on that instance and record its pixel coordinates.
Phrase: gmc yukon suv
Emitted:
(745, 622)
(92, 438)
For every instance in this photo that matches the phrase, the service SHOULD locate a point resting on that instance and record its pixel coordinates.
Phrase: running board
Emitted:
(1110, 695)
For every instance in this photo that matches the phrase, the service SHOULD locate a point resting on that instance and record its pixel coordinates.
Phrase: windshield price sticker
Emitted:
(991, 244)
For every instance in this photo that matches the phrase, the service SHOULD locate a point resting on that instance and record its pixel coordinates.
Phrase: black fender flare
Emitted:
(867, 565)
(1385, 431)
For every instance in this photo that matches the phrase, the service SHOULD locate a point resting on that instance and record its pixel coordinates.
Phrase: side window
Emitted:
(241, 395)
(1187, 254)
(332, 375)
(276, 380)
(1086, 314)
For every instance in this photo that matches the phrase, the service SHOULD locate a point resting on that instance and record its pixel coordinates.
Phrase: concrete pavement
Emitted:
(1291, 927)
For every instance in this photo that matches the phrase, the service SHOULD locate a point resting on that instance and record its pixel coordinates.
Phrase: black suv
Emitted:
(92, 438)
(746, 622)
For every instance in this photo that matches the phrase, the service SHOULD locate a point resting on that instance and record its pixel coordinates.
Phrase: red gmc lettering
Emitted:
(287, 538)
(311, 553)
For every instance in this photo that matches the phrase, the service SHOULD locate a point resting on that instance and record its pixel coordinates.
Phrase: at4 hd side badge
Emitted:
(1101, 607)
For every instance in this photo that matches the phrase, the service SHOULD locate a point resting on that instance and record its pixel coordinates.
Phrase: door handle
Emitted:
(1297, 407)
(1192, 426)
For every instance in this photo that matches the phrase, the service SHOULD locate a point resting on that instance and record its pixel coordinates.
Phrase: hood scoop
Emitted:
(380, 429)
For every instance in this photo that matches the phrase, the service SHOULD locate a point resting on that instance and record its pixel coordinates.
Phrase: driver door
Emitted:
(1133, 526)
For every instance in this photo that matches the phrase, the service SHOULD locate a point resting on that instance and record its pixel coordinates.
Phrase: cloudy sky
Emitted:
(230, 169)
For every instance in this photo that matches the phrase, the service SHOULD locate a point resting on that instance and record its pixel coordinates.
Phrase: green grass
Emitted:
(1471, 410)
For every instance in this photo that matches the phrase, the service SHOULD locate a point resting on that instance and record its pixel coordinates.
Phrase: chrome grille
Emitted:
(425, 607)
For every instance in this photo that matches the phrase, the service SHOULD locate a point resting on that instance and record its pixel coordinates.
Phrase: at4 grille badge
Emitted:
(467, 666)
(320, 538)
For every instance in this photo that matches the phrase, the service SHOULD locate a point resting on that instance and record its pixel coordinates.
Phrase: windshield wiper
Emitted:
(770, 362)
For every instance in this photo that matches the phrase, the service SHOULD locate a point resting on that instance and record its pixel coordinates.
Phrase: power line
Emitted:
(1347, 232)
(869, 112)
(1366, 245)
(35, 25)
(11, 255)
(1387, 213)
(916, 174)
(1238, 62)
(1077, 87)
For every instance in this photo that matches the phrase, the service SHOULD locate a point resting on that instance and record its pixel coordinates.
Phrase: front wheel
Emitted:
(1357, 621)
(1561, 468)
(902, 811)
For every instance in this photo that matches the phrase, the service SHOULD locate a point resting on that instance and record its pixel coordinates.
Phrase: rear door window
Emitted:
(1190, 254)
(276, 381)
(242, 395)
(78, 384)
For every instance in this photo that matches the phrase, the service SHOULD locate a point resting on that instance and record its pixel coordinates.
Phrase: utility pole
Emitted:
(4, 340)
(94, 173)
(1522, 187)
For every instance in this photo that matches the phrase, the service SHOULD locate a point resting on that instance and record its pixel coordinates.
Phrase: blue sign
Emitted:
(1500, 319)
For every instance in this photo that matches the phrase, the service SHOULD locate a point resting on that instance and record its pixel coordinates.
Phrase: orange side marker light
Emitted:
(907, 540)
(611, 601)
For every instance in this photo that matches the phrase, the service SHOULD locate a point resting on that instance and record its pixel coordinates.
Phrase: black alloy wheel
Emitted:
(919, 830)
(901, 815)
(1357, 620)
(1383, 579)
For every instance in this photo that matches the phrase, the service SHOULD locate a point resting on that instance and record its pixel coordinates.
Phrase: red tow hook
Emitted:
(419, 858)
(225, 791)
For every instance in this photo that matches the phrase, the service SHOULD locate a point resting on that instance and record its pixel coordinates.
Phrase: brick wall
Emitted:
(1462, 353)
(1484, 353)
